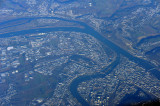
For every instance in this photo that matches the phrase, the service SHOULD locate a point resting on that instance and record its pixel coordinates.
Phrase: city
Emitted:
(39, 62)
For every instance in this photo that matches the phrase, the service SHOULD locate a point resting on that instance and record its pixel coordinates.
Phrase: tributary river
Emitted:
(88, 30)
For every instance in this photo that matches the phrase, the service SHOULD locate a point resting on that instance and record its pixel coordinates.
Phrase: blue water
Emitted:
(135, 98)
(146, 39)
(74, 85)
(88, 30)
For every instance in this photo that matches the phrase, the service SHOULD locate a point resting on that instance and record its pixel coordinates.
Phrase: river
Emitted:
(74, 85)
(88, 30)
